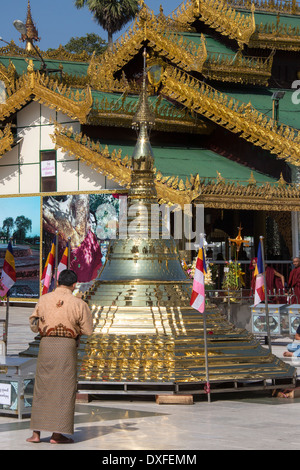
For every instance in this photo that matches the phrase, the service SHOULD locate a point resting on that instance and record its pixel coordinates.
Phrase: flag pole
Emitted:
(69, 252)
(266, 294)
(6, 322)
(56, 259)
(207, 387)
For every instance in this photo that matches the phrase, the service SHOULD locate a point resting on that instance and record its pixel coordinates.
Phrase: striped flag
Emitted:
(64, 261)
(48, 269)
(259, 295)
(8, 277)
(198, 294)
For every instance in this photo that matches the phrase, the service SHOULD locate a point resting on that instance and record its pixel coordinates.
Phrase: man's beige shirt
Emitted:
(60, 313)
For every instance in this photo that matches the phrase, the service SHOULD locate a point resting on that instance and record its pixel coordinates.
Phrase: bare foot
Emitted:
(288, 354)
(60, 439)
(35, 438)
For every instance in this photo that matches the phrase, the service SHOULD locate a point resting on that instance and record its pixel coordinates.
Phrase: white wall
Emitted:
(20, 168)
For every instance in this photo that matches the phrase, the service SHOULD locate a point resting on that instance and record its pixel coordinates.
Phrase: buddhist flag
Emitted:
(198, 294)
(259, 295)
(64, 261)
(48, 269)
(8, 277)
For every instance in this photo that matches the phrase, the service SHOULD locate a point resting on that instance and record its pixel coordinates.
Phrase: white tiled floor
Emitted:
(252, 421)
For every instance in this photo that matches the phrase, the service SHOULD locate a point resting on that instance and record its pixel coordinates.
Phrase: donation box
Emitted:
(16, 385)
(278, 319)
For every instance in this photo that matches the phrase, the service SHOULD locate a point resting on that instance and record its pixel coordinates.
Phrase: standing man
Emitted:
(60, 318)
(294, 281)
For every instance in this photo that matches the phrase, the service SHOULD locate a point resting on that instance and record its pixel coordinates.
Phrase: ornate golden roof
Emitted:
(171, 46)
(223, 16)
(237, 117)
(33, 85)
(116, 167)
(221, 193)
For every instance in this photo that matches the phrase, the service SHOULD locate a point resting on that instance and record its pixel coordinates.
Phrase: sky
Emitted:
(27, 206)
(59, 20)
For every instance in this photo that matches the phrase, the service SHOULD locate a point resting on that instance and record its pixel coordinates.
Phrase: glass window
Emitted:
(48, 171)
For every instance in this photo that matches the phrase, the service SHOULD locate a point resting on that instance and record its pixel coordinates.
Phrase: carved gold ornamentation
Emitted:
(252, 196)
(112, 165)
(120, 111)
(222, 15)
(8, 74)
(174, 47)
(218, 193)
(253, 126)
(76, 104)
(282, 6)
(218, 15)
(6, 140)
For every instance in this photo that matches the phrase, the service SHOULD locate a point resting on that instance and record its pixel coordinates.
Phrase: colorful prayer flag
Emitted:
(8, 277)
(198, 294)
(64, 261)
(259, 295)
(48, 269)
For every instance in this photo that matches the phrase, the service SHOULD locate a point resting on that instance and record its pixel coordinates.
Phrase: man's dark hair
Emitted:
(67, 278)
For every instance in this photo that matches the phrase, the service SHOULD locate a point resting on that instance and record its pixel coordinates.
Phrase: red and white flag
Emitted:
(8, 277)
(64, 261)
(259, 295)
(48, 269)
(198, 294)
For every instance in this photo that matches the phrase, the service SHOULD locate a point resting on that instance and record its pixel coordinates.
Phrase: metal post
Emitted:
(56, 259)
(206, 358)
(69, 252)
(266, 294)
(6, 322)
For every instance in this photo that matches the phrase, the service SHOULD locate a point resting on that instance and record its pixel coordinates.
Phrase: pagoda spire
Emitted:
(32, 33)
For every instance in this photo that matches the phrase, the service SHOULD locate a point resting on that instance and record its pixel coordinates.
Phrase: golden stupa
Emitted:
(145, 331)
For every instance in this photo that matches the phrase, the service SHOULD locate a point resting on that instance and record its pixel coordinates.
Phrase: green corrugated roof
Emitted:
(71, 68)
(284, 19)
(212, 44)
(261, 99)
(184, 161)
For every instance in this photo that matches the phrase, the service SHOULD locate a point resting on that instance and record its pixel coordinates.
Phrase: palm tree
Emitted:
(111, 15)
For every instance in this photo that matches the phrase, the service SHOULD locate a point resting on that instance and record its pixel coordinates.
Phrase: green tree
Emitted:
(7, 226)
(111, 15)
(23, 224)
(89, 43)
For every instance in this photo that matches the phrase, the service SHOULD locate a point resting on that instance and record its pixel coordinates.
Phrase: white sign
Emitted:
(5, 394)
(48, 168)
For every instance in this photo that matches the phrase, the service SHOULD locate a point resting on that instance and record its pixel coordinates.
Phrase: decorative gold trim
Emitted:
(76, 105)
(173, 47)
(57, 54)
(238, 68)
(6, 140)
(222, 15)
(229, 195)
(219, 16)
(289, 7)
(118, 168)
(237, 117)
(120, 112)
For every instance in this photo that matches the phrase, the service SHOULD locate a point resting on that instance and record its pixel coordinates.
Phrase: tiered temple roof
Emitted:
(213, 69)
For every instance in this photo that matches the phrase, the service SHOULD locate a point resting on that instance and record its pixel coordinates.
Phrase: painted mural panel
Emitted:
(87, 222)
(20, 221)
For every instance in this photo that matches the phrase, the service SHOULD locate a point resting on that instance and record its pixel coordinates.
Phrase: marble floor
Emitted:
(232, 421)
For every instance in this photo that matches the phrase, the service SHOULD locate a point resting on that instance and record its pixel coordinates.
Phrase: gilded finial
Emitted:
(251, 180)
(31, 31)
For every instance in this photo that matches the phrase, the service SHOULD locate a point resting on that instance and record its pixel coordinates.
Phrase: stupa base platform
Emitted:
(152, 389)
